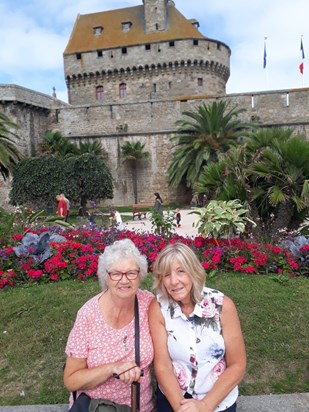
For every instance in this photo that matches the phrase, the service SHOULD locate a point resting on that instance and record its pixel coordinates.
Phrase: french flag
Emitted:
(301, 66)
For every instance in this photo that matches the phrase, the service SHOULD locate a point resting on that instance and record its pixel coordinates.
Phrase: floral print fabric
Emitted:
(196, 345)
(93, 339)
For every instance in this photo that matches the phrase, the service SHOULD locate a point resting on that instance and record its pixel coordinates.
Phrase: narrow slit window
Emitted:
(122, 90)
(99, 93)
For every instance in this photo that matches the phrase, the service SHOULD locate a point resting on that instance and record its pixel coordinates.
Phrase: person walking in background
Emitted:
(68, 205)
(158, 204)
(199, 351)
(117, 219)
(62, 206)
(178, 217)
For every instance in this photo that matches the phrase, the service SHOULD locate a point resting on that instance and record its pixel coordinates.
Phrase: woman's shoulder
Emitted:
(144, 296)
(90, 304)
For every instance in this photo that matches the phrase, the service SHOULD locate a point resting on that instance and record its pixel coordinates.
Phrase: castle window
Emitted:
(195, 42)
(200, 81)
(78, 56)
(147, 46)
(126, 25)
(99, 53)
(195, 23)
(124, 50)
(154, 87)
(97, 30)
(99, 91)
(169, 85)
(157, 26)
(171, 44)
(122, 90)
(218, 46)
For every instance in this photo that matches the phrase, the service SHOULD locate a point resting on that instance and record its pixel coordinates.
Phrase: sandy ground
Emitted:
(186, 228)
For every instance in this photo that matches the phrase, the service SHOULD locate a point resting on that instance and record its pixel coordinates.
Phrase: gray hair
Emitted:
(119, 250)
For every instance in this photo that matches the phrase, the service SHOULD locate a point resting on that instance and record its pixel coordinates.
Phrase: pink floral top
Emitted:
(93, 339)
(196, 345)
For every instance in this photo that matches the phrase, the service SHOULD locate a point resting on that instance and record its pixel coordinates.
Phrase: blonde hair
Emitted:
(189, 262)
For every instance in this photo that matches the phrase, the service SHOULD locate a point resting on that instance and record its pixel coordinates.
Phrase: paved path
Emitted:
(297, 402)
(186, 229)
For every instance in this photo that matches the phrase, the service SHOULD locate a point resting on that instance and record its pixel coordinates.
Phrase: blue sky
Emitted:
(34, 34)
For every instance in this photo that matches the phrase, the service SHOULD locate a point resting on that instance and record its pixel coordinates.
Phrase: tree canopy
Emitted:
(202, 136)
(36, 181)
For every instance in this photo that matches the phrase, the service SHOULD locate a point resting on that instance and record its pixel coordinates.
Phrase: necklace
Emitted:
(125, 343)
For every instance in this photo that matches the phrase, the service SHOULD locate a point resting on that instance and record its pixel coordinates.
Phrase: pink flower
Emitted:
(209, 309)
(219, 369)
(180, 373)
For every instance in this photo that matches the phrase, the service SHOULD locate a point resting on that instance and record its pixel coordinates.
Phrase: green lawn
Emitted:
(35, 323)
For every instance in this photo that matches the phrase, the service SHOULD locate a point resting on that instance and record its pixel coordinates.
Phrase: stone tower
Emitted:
(155, 15)
(149, 52)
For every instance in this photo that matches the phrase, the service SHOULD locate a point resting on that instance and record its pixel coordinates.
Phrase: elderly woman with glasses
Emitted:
(101, 346)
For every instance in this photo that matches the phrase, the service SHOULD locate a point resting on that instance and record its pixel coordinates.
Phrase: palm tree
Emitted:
(9, 153)
(94, 148)
(56, 143)
(207, 132)
(270, 172)
(283, 173)
(133, 153)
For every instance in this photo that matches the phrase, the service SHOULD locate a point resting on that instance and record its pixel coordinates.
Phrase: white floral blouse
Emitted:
(196, 345)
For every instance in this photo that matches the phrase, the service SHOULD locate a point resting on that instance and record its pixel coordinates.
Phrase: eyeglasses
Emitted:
(130, 275)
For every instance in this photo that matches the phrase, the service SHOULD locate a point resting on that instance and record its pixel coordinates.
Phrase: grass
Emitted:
(36, 322)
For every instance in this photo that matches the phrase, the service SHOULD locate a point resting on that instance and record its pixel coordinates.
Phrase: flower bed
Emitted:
(77, 256)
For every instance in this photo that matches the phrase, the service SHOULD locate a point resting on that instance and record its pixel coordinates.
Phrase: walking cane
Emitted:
(135, 387)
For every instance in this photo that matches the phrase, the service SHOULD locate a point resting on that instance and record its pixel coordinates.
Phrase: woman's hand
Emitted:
(127, 372)
(193, 405)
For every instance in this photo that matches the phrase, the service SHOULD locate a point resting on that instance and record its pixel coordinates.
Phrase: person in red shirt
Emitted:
(62, 206)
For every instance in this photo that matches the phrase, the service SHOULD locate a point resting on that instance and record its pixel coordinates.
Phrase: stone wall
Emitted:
(162, 72)
(284, 107)
(152, 123)
(155, 15)
(152, 176)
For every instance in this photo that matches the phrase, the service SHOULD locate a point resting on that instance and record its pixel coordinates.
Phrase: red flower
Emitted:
(304, 248)
(276, 250)
(17, 236)
(35, 274)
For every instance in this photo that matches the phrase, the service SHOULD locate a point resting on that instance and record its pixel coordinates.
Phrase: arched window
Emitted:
(122, 90)
(99, 92)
